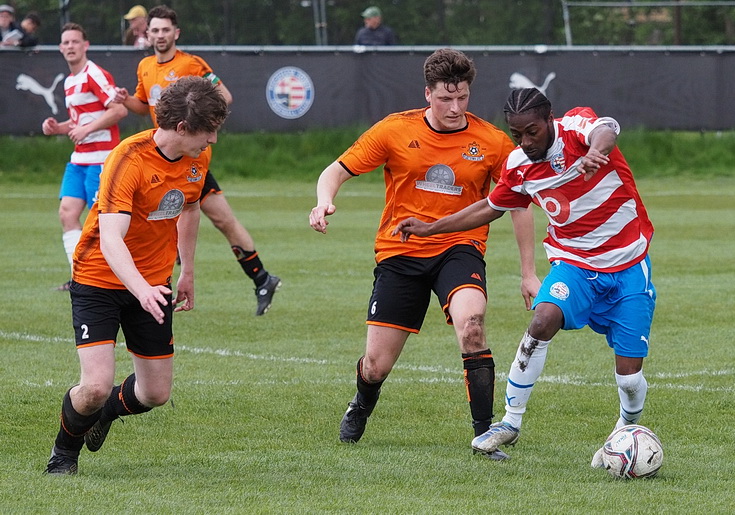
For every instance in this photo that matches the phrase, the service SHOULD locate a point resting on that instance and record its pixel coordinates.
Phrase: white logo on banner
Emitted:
(520, 81)
(28, 83)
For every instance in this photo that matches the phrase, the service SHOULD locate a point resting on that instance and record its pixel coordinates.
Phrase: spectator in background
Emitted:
(10, 32)
(29, 25)
(374, 33)
(136, 35)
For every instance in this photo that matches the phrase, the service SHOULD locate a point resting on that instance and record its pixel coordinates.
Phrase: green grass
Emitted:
(302, 155)
(257, 401)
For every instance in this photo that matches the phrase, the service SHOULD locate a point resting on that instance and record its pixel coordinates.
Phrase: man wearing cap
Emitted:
(10, 32)
(374, 33)
(136, 34)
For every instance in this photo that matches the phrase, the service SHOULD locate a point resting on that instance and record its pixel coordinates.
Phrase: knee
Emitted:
(373, 370)
(472, 338)
(68, 217)
(154, 399)
(547, 321)
(90, 398)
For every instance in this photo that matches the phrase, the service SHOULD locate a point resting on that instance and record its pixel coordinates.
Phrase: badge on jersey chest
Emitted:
(170, 206)
(557, 163)
(473, 152)
(194, 175)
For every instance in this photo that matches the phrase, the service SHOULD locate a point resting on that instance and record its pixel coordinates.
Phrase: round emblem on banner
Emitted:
(290, 92)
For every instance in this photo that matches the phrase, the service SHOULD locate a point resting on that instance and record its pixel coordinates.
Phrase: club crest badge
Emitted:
(557, 163)
(559, 290)
(194, 175)
(473, 152)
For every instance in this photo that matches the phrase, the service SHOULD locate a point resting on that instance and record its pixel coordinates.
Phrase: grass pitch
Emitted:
(257, 401)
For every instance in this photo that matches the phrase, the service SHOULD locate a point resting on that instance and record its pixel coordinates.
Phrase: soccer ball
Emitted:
(632, 452)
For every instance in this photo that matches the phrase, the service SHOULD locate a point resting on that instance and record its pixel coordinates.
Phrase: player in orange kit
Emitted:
(147, 211)
(157, 72)
(437, 160)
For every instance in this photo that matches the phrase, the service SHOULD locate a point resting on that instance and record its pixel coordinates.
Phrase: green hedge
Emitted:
(302, 156)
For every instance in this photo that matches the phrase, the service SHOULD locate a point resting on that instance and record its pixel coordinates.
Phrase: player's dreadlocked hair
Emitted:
(525, 100)
(448, 66)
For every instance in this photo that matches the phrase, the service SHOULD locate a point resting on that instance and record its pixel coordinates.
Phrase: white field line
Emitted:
(228, 192)
(436, 374)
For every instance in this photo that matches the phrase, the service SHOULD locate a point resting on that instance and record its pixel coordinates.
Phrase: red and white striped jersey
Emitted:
(600, 224)
(87, 94)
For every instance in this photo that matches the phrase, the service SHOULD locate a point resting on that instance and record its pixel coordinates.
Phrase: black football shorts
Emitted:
(403, 285)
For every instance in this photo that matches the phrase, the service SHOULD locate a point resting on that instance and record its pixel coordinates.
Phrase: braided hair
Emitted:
(527, 100)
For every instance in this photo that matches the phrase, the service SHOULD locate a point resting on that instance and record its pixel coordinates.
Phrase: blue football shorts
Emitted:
(619, 305)
(81, 181)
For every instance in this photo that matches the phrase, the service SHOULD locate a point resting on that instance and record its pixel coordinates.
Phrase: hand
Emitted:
(50, 126)
(77, 133)
(529, 289)
(591, 163)
(121, 95)
(318, 217)
(152, 299)
(187, 299)
(184, 293)
(411, 226)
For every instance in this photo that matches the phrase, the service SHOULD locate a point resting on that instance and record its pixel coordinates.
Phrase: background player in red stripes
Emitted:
(92, 126)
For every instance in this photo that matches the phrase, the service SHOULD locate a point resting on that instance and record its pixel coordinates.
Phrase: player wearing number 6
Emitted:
(598, 239)
(436, 161)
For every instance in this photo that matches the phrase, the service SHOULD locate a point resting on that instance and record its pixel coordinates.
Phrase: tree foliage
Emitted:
(417, 22)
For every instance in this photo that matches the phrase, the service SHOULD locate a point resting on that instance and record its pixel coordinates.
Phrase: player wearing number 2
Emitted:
(598, 239)
(147, 210)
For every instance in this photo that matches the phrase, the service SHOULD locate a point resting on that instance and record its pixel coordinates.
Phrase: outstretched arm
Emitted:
(327, 187)
(474, 215)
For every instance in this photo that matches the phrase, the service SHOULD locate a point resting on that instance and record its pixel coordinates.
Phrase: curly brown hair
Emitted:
(195, 101)
(448, 66)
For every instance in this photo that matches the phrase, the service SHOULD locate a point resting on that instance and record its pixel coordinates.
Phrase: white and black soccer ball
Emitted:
(631, 452)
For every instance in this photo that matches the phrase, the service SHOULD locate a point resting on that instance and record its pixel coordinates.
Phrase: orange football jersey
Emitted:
(154, 77)
(137, 179)
(428, 174)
